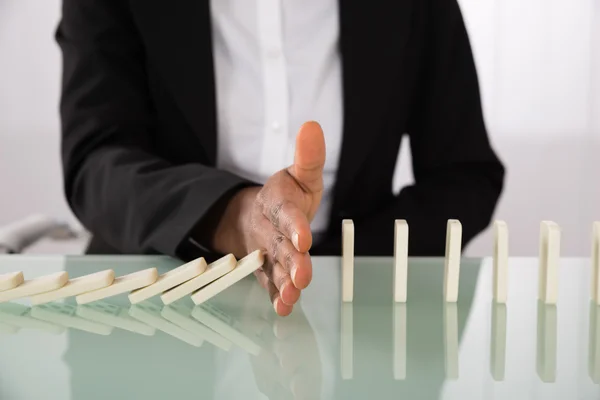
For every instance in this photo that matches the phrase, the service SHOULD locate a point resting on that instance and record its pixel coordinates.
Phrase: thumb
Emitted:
(309, 158)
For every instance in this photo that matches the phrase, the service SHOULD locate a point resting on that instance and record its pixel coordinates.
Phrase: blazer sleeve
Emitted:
(115, 181)
(456, 172)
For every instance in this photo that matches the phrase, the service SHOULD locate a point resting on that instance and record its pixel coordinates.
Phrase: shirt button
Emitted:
(276, 126)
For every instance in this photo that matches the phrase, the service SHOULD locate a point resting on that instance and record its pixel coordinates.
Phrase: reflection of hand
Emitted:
(289, 367)
(277, 218)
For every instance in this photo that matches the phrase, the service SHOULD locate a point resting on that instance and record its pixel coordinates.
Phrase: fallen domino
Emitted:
(169, 280)
(122, 284)
(11, 280)
(76, 286)
(35, 286)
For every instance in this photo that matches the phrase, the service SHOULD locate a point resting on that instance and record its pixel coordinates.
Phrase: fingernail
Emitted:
(295, 241)
(293, 275)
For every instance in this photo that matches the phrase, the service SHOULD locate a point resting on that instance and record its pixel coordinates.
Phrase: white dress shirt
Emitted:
(277, 65)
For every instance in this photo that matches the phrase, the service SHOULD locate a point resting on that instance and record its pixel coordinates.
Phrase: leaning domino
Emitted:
(596, 264)
(122, 284)
(10, 280)
(214, 271)
(245, 267)
(76, 286)
(500, 262)
(548, 262)
(400, 260)
(452, 260)
(347, 260)
(35, 286)
(169, 280)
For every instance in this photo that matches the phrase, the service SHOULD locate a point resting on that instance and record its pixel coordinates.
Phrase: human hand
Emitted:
(276, 217)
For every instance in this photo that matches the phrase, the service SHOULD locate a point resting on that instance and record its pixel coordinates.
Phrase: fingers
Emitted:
(286, 261)
(280, 307)
(309, 158)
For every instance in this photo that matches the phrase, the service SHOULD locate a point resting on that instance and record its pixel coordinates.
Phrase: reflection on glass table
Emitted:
(235, 346)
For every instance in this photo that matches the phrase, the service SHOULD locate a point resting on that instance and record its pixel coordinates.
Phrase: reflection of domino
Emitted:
(8, 329)
(213, 272)
(35, 286)
(11, 280)
(64, 314)
(498, 342)
(181, 315)
(546, 342)
(245, 267)
(115, 316)
(76, 286)
(451, 340)
(223, 324)
(596, 263)
(149, 313)
(452, 260)
(18, 315)
(169, 280)
(500, 262)
(400, 260)
(594, 344)
(347, 341)
(548, 262)
(399, 341)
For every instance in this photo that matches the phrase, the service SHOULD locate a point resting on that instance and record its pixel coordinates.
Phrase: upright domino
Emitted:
(452, 260)
(122, 284)
(347, 260)
(596, 263)
(400, 260)
(76, 286)
(35, 286)
(500, 262)
(169, 280)
(548, 262)
(214, 271)
(245, 267)
(11, 280)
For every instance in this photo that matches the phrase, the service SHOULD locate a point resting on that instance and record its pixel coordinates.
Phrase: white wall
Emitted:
(539, 67)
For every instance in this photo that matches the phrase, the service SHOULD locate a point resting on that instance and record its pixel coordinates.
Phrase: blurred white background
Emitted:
(539, 70)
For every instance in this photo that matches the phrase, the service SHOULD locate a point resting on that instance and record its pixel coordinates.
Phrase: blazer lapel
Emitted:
(372, 38)
(178, 39)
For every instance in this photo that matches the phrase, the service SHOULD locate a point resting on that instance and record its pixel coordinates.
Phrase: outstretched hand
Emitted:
(276, 217)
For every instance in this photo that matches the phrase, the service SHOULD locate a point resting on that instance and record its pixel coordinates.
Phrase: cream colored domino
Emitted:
(400, 260)
(169, 280)
(500, 283)
(122, 284)
(451, 341)
(19, 315)
(214, 271)
(149, 313)
(76, 286)
(11, 280)
(347, 260)
(548, 262)
(546, 342)
(35, 286)
(347, 341)
(224, 325)
(65, 315)
(245, 267)
(181, 316)
(452, 260)
(115, 316)
(498, 342)
(596, 263)
(399, 341)
(594, 344)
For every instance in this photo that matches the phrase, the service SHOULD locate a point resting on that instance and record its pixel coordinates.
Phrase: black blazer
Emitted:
(139, 125)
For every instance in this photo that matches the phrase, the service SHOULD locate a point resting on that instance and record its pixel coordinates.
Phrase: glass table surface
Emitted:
(235, 347)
